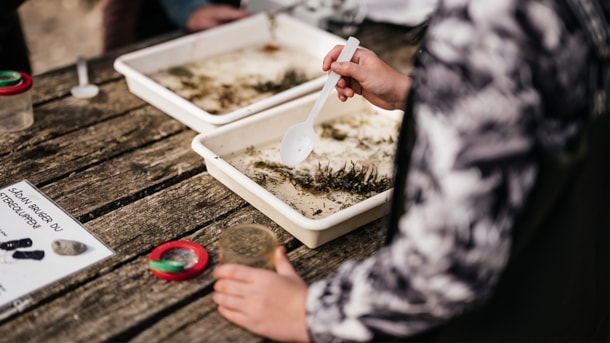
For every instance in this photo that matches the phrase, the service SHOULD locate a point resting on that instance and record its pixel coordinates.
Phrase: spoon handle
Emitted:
(346, 55)
(81, 70)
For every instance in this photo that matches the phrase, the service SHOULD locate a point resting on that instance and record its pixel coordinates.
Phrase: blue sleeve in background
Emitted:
(179, 11)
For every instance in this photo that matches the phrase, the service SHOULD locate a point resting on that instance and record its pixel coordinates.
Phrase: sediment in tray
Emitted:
(352, 161)
(229, 81)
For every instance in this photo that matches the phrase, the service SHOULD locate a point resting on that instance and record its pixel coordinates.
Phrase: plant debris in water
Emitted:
(330, 131)
(180, 71)
(291, 78)
(227, 82)
(352, 162)
(353, 178)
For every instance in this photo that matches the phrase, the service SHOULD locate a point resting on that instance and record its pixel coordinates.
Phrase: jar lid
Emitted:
(14, 82)
(9, 78)
(193, 257)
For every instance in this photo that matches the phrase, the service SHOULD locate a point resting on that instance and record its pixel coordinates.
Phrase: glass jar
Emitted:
(249, 244)
(16, 112)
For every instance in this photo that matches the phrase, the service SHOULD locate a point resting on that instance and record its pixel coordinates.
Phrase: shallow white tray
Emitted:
(266, 129)
(251, 31)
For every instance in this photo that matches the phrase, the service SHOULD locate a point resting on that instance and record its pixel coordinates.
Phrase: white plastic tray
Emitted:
(254, 30)
(266, 129)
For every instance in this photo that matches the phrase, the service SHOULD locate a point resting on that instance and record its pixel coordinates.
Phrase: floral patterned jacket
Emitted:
(493, 80)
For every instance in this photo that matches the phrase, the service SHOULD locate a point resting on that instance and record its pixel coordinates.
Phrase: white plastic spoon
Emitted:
(299, 140)
(84, 89)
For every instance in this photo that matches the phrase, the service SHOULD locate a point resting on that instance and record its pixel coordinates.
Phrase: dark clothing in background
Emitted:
(14, 54)
(152, 21)
(129, 21)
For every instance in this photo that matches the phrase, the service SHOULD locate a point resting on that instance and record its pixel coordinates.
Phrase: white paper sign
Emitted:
(29, 224)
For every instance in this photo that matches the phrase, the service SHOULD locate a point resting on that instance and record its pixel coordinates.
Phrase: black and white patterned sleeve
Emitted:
(477, 113)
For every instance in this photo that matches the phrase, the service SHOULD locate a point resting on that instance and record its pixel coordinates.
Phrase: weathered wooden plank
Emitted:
(133, 230)
(57, 83)
(69, 114)
(129, 295)
(173, 213)
(128, 298)
(199, 320)
(116, 307)
(126, 178)
(58, 157)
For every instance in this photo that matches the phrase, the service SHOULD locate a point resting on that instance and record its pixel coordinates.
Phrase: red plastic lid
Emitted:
(14, 82)
(195, 258)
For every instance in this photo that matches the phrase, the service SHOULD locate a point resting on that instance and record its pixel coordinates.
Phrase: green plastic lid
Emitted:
(166, 266)
(9, 78)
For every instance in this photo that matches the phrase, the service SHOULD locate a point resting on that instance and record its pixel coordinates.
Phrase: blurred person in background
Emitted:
(498, 226)
(198, 15)
(14, 53)
(127, 22)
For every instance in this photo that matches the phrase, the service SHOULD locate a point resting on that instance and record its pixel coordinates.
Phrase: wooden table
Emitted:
(127, 172)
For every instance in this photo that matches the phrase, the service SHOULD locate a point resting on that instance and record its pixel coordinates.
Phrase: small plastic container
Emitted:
(16, 112)
(249, 244)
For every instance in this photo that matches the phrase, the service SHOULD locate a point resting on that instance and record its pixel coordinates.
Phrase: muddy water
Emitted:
(230, 81)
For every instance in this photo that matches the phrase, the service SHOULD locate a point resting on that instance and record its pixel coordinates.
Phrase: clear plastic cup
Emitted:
(16, 112)
(249, 244)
